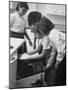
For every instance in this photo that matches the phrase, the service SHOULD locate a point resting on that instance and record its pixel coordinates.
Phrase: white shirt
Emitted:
(58, 40)
(55, 39)
(46, 43)
(17, 23)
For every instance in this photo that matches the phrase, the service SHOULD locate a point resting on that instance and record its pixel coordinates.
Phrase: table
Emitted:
(13, 83)
(15, 43)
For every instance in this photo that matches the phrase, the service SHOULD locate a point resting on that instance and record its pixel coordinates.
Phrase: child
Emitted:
(51, 38)
(18, 30)
(33, 18)
(18, 23)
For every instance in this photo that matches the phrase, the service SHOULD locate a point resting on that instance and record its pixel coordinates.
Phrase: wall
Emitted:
(56, 13)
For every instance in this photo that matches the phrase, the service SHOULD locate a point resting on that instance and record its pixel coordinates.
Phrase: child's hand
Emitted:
(24, 56)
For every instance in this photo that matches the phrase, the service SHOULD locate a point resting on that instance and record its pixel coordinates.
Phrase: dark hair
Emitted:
(34, 17)
(44, 25)
(22, 4)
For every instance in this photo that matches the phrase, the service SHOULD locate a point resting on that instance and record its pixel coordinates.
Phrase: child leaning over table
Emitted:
(56, 65)
(58, 42)
(33, 18)
(42, 30)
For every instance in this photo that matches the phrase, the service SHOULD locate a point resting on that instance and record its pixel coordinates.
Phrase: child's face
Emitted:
(22, 11)
(36, 34)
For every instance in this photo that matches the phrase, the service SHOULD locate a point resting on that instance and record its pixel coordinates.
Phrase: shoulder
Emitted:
(13, 15)
(54, 33)
(45, 42)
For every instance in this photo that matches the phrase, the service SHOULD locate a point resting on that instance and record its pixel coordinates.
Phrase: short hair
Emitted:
(45, 25)
(34, 17)
(22, 4)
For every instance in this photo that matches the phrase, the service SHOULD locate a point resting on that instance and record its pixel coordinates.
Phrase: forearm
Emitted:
(59, 59)
(36, 57)
(52, 58)
(50, 62)
(32, 52)
(37, 50)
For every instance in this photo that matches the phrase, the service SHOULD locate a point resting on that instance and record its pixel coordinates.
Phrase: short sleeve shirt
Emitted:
(58, 40)
(17, 23)
(46, 43)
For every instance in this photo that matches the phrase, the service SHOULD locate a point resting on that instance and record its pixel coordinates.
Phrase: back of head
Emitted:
(45, 25)
(34, 17)
(22, 5)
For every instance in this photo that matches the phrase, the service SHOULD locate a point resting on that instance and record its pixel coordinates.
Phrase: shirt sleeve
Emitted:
(11, 19)
(58, 39)
(61, 47)
(46, 43)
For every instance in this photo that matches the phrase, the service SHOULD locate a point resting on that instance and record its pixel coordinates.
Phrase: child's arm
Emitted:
(45, 45)
(37, 50)
(52, 58)
(38, 56)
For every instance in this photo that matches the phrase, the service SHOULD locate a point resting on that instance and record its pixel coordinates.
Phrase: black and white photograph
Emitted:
(37, 44)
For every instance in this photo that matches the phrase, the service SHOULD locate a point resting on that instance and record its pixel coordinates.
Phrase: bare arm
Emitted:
(37, 50)
(39, 56)
(52, 58)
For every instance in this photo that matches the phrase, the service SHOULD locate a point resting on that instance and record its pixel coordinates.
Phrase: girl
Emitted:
(18, 30)
(18, 23)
